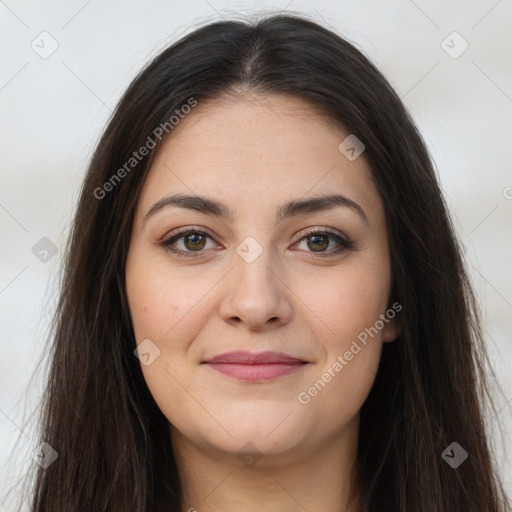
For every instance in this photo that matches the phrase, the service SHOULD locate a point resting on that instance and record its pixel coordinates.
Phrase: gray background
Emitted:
(54, 108)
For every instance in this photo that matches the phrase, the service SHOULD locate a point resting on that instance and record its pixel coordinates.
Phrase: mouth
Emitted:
(263, 366)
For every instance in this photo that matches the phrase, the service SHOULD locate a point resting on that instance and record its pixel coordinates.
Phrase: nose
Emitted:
(256, 295)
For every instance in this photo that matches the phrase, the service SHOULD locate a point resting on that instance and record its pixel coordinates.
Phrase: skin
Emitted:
(254, 153)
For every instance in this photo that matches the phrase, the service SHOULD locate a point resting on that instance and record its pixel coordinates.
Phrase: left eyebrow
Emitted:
(291, 209)
(319, 204)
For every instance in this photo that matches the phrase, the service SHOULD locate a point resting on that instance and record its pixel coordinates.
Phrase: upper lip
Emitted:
(244, 357)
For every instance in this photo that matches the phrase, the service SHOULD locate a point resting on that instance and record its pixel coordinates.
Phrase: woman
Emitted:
(264, 304)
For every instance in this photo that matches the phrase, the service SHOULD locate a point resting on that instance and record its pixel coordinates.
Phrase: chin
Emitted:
(276, 434)
(253, 447)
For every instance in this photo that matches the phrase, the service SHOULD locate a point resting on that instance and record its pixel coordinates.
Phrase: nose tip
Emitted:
(256, 297)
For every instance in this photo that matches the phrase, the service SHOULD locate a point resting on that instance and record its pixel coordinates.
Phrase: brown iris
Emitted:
(315, 245)
(197, 241)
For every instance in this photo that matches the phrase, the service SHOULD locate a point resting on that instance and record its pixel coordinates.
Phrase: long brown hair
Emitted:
(113, 443)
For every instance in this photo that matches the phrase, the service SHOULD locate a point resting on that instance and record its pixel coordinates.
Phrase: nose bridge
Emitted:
(255, 269)
(256, 261)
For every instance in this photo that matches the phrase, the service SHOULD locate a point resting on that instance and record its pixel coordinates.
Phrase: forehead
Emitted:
(254, 151)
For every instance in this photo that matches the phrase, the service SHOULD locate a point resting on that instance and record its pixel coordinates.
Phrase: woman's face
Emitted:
(252, 277)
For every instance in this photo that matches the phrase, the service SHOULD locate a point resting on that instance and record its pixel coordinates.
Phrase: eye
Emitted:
(194, 241)
(318, 241)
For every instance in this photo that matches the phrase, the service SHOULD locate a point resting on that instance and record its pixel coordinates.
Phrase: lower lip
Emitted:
(256, 372)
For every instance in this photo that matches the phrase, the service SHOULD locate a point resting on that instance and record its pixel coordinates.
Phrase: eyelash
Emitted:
(345, 244)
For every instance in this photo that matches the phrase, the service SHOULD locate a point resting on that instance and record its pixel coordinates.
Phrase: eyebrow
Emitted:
(291, 209)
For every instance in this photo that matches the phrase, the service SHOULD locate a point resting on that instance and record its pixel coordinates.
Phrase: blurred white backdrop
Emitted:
(64, 65)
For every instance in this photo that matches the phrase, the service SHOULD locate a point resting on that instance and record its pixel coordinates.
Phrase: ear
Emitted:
(393, 328)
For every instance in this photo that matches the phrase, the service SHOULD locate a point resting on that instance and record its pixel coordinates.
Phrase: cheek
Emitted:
(350, 332)
(163, 304)
(167, 310)
(349, 301)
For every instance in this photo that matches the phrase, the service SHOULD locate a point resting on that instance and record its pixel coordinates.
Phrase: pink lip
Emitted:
(255, 367)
